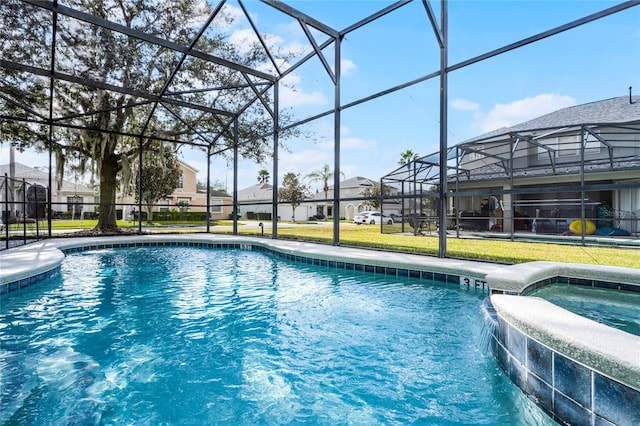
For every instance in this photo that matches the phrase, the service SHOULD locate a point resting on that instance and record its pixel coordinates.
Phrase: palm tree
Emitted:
(407, 157)
(323, 175)
(263, 176)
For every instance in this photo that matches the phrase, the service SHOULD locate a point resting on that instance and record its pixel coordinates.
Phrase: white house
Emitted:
(71, 200)
(349, 189)
(257, 199)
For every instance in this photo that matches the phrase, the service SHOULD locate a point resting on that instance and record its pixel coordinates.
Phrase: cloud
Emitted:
(506, 115)
(347, 66)
(464, 105)
(289, 97)
(357, 143)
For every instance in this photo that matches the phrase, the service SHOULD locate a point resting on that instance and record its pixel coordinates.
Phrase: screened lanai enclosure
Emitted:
(158, 109)
(554, 175)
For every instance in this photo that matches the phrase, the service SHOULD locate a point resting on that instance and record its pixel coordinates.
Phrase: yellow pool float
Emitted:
(576, 227)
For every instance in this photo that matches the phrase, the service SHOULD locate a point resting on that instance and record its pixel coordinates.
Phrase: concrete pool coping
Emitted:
(621, 352)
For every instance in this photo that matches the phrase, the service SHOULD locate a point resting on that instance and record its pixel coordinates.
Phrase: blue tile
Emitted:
(414, 274)
(502, 357)
(403, 272)
(539, 360)
(391, 271)
(599, 421)
(502, 331)
(615, 401)
(427, 276)
(380, 270)
(442, 278)
(369, 268)
(540, 391)
(453, 279)
(581, 281)
(629, 287)
(517, 344)
(572, 379)
(517, 373)
(569, 412)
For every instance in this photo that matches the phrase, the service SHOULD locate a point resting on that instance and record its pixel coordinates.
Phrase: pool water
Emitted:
(615, 308)
(171, 335)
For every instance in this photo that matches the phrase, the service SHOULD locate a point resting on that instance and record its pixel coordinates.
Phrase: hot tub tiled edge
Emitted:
(580, 371)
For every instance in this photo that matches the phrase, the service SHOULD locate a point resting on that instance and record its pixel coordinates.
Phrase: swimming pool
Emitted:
(619, 309)
(193, 336)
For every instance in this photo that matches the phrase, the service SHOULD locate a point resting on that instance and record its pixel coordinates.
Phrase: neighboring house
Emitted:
(71, 200)
(188, 196)
(258, 199)
(537, 168)
(350, 188)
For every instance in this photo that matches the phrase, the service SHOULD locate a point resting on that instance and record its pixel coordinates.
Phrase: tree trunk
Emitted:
(150, 214)
(109, 168)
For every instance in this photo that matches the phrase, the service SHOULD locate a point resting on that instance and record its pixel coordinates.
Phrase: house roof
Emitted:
(188, 166)
(355, 182)
(489, 156)
(32, 175)
(615, 110)
(260, 191)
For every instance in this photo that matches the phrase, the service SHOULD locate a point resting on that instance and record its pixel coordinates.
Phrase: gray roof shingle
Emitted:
(615, 110)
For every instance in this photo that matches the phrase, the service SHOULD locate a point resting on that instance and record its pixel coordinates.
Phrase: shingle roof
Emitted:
(614, 110)
(31, 175)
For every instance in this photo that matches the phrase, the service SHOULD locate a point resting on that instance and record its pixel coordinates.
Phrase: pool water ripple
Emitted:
(199, 336)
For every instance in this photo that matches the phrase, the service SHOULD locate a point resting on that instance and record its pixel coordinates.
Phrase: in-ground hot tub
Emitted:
(579, 370)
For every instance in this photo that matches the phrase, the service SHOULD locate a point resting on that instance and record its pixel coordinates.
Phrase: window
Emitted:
(568, 146)
(216, 205)
(181, 182)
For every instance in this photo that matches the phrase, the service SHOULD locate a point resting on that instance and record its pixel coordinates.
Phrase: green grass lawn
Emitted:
(369, 236)
(477, 249)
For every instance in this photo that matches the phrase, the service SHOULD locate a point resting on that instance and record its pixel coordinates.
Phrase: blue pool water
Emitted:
(170, 335)
(619, 309)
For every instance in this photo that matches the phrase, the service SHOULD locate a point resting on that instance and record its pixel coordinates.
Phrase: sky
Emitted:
(596, 61)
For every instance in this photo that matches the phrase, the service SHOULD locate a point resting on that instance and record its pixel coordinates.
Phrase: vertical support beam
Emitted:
(456, 199)
(235, 175)
(208, 215)
(24, 211)
(512, 147)
(442, 213)
(140, 185)
(50, 181)
(336, 143)
(54, 38)
(416, 230)
(5, 208)
(582, 193)
(276, 142)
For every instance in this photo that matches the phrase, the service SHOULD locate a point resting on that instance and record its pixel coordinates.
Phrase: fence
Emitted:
(24, 211)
